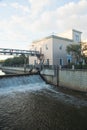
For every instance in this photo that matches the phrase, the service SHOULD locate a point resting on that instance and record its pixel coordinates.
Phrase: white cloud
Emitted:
(16, 5)
(38, 6)
(71, 15)
(3, 4)
(38, 21)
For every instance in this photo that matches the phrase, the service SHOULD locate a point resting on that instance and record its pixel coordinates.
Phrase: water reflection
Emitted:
(30, 104)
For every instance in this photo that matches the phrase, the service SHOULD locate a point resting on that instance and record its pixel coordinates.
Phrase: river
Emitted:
(28, 103)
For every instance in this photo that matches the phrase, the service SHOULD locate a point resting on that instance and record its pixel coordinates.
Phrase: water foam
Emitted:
(21, 84)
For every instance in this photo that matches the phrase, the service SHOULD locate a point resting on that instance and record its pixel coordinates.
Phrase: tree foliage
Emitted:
(1, 61)
(75, 51)
(16, 61)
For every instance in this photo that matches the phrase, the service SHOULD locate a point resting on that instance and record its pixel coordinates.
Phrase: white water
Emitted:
(34, 84)
(2, 73)
(21, 84)
(28, 103)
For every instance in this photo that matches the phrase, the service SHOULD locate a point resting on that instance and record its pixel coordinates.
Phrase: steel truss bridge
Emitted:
(5, 51)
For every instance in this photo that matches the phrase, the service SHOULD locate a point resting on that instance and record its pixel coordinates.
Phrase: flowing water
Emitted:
(28, 103)
(2, 73)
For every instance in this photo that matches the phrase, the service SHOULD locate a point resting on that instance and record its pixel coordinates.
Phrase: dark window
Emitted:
(61, 61)
(68, 60)
(60, 47)
(77, 38)
(47, 61)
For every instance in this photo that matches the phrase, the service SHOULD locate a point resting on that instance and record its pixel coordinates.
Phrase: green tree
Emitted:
(75, 50)
(20, 60)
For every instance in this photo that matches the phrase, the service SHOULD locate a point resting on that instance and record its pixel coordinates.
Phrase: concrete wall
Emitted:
(32, 60)
(50, 76)
(59, 50)
(72, 79)
(14, 70)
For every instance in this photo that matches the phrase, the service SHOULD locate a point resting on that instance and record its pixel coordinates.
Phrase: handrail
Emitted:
(18, 51)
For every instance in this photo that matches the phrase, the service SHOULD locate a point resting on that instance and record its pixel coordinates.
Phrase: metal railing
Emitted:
(6, 51)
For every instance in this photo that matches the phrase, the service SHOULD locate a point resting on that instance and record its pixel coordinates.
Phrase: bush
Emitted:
(16, 61)
(80, 66)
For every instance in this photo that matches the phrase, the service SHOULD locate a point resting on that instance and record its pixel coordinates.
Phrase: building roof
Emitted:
(76, 31)
(53, 36)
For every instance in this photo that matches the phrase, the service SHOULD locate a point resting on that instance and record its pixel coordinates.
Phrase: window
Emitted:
(40, 50)
(60, 47)
(46, 47)
(68, 61)
(69, 58)
(34, 62)
(61, 61)
(77, 38)
(47, 61)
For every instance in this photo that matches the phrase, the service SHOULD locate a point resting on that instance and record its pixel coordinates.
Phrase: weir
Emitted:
(28, 103)
(18, 75)
(23, 82)
(19, 83)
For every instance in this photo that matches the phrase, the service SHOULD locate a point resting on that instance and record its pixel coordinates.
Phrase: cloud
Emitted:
(39, 4)
(71, 15)
(41, 19)
(16, 5)
(3, 4)
(37, 7)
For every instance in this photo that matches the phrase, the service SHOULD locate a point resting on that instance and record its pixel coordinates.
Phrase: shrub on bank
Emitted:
(80, 66)
(15, 61)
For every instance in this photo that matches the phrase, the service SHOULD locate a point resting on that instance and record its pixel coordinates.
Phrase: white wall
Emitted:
(47, 50)
(32, 60)
(59, 49)
(76, 35)
(54, 48)
(45, 47)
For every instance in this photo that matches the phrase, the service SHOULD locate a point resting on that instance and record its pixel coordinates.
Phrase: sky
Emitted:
(23, 21)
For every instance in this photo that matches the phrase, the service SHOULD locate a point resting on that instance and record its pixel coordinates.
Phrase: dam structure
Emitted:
(29, 103)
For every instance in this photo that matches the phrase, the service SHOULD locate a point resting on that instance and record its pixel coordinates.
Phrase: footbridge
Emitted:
(5, 51)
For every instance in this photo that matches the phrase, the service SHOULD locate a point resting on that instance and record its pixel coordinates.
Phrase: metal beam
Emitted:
(6, 51)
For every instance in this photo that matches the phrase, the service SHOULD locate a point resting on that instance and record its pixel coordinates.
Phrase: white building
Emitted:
(53, 49)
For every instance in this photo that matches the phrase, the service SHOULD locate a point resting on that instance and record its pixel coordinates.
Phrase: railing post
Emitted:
(57, 69)
(25, 68)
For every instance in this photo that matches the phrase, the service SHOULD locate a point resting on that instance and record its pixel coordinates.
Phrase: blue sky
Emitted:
(23, 21)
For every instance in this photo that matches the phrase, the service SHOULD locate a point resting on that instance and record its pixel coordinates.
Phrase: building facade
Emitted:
(53, 49)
